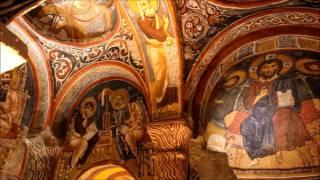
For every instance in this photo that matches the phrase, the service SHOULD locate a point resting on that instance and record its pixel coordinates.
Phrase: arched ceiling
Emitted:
(167, 56)
(71, 40)
(63, 52)
(68, 39)
(65, 22)
(201, 21)
(279, 23)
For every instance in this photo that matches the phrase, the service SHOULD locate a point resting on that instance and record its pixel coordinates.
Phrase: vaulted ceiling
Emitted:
(168, 55)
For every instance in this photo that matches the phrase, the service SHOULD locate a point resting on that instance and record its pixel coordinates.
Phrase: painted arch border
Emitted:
(246, 5)
(42, 76)
(275, 22)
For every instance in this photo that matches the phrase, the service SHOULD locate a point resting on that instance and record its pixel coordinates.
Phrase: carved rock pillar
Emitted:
(170, 149)
(170, 165)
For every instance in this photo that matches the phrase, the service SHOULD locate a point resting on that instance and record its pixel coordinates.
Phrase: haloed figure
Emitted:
(274, 124)
(223, 102)
(133, 128)
(229, 83)
(83, 134)
(9, 107)
(155, 30)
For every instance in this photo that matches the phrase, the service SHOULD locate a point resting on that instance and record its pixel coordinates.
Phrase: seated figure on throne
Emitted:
(274, 124)
(133, 128)
(130, 120)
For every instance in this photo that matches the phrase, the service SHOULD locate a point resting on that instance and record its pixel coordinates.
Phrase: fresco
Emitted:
(140, 33)
(65, 62)
(154, 25)
(109, 122)
(16, 100)
(17, 105)
(75, 20)
(201, 21)
(265, 112)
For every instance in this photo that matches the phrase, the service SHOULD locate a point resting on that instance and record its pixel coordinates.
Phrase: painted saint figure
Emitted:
(8, 108)
(225, 98)
(221, 105)
(12, 106)
(309, 74)
(83, 132)
(155, 30)
(134, 128)
(274, 124)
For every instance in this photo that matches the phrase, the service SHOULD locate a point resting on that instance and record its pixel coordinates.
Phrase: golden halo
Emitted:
(287, 64)
(124, 97)
(86, 101)
(132, 4)
(301, 66)
(237, 73)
